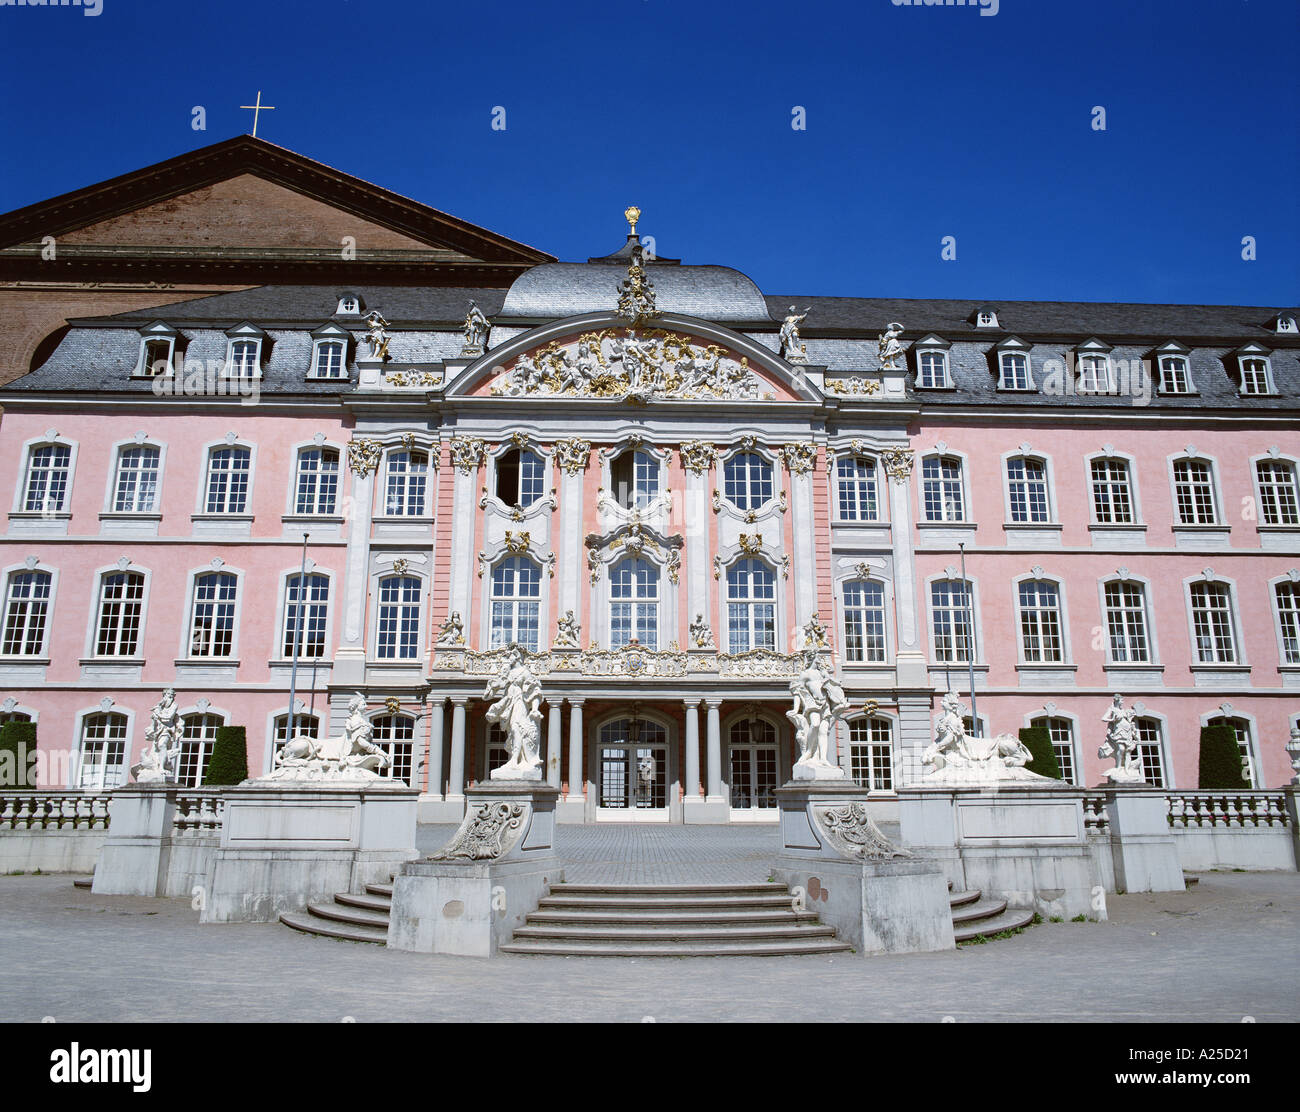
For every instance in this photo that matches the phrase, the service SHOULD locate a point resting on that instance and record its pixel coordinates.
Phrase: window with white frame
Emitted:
(395, 735)
(1175, 375)
(330, 359)
(317, 487)
(1288, 617)
(1240, 728)
(634, 604)
(156, 356)
(932, 369)
(1255, 376)
(1194, 492)
(1126, 622)
(747, 481)
(1094, 374)
(301, 724)
(634, 477)
(399, 618)
(407, 483)
(871, 748)
(497, 749)
(941, 489)
(242, 359)
(229, 470)
(1040, 622)
(521, 478)
(306, 600)
(751, 606)
(102, 752)
(27, 603)
(1112, 492)
(951, 610)
(49, 467)
(1212, 623)
(1278, 502)
(1151, 750)
(7, 716)
(1014, 371)
(135, 486)
(121, 605)
(1061, 731)
(1027, 490)
(855, 481)
(516, 603)
(864, 621)
(212, 618)
(198, 736)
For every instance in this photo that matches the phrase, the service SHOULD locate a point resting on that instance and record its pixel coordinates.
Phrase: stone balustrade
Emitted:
(1095, 820)
(51, 831)
(41, 810)
(1238, 810)
(200, 811)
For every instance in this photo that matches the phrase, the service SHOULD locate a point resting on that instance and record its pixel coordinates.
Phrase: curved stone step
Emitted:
(631, 932)
(638, 890)
(652, 903)
(961, 899)
(355, 916)
(380, 890)
(310, 924)
(985, 909)
(1011, 919)
(367, 901)
(622, 949)
(83, 882)
(668, 918)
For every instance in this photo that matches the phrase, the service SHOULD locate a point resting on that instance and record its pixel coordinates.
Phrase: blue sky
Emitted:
(922, 122)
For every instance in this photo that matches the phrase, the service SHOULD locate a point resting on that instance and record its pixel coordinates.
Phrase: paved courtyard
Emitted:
(1218, 952)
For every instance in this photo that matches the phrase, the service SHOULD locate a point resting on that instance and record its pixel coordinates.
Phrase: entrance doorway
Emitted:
(755, 757)
(632, 772)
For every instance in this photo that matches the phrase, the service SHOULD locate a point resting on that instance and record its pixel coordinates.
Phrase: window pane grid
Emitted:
(1194, 493)
(516, 594)
(1062, 735)
(1149, 749)
(1277, 493)
(399, 618)
(228, 481)
(408, 474)
(47, 478)
(25, 612)
(199, 734)
(1015, 371)
(941, 490)
(634, 607)
(864, 622)
(1126, 623)
(751, 620)
(1288, 613)
(871, 753)
(137, 480)
(329, 359)
(747, 481)
(1112, 498)
(212, 628)
(950, 607)
(1027, 479)
(121, 599)
(1212, 624)
(856, 480)
(318, 481)
(1040, 622)
(103, 751)
(314, 608)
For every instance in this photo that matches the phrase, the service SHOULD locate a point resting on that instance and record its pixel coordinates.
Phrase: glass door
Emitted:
(754, 779)
(633, 774)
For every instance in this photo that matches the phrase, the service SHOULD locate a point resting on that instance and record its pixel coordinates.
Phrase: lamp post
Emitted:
(970, 647)
(297, 643)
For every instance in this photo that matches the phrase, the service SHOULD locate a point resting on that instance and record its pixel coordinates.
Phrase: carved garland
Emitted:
(697, 456)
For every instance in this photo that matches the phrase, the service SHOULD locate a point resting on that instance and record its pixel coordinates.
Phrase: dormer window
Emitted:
(1174, 373)
(157, 349)
(986, 317)
(1015, 371)
(1285, 325)
(244, 351)
(1095, 375)
(329, 356)
(1256, 373)
(349, 306)
(931, 363)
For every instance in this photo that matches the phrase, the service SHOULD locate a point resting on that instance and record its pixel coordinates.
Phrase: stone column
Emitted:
(572, 808)
(433, 766)
(692, 750)
(456, 778)
(714, 751)
(553, 743)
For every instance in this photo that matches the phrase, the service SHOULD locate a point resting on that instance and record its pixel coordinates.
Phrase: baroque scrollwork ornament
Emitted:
(800, 458)
(897, 463)
(487, 831)
(697, 456)
(468, 454)
(636, 293)
(363, 455)
(854, 386)
(572, 455)
(849, 828)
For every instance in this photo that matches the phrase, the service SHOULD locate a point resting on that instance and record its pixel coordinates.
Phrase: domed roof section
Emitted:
(553, 290)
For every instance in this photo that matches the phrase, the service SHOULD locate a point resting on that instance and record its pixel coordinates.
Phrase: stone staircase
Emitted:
(350, 916)
(973, 916)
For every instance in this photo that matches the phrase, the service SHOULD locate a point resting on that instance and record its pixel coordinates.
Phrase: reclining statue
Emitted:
(350, 757)
(957, 757)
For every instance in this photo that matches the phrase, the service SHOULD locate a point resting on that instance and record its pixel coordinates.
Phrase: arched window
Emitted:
(49, 467)
(633, 756)
(864, 621)
(932, 369)
(27, 605)
(1014, 367)
(318, 481)
(199, 735)
(751, 606)
(516, 603)
(329, 359)
(408, 475)
(941, 489)
(399, 618)
(1288, 616)
(1213, 625)
(635, 479)
(634, 604)
(1126, 622)
(1241, 729)
(952, 613)
(313, 606)
(871, 749)
(102, 762)
(395, 735)
(227, 486)
(856, 485)
(521, 478)
(303, 723)
(135, 486)
(1027, 489)
(242, 361)
(1175, 378)
(121, 605)
(1041, 639)
(747, 481)
(212, 620)
(753, 755)
(1061, 731)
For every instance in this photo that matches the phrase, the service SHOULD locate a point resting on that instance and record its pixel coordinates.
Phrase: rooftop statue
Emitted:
(476, 330)
(377, 335)
(891, 347)
(792, 348)
(957, 757)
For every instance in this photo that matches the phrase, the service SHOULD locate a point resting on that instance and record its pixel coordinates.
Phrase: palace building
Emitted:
(660, 482)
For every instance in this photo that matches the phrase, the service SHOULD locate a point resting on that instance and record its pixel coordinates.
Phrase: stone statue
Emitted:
(377, 335)
(1293, 750)
(1122, 744)
(792, 348)
(517, 709)
(476, 330)
(701, 634)
(645, 775)
(338, 759)
(957, 757)
(891, 348)
(819, 704)
(452, 631)
(567, 632)
(162, 743)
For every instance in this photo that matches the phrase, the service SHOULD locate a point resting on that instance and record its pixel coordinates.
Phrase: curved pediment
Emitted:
(603, 356)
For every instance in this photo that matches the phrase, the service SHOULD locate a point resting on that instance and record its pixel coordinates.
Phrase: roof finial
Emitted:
(632, 214)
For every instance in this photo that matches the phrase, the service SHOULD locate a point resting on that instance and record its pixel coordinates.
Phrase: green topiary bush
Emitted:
(229, 761)
(1221, 764)
(1039, 742)
(18, 755)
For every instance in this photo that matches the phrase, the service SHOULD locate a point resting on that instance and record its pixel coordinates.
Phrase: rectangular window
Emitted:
(1194, 493)
(1212, 624)
(864, 622)
(121, 603)
(25, 612)
(1278, 503)
(313, 608)
(1015, 371)
(47, 478)
(1094, 374)
(952, 613)
(1059, 730)
(1040, 622)
(156, 358)
(1254, 377)
(136, 489)
(399, 618)
(228, 473)
(1027, 485)
(329, 359)
(1126, 623)
(212, 625)
(1150, 750)
(1288, 615)
(198, 736)
(1112, 496)
(856, 482)
(243, 359)
(408, 474)
(103, 752)
(318, 481)
(932, 370)
(1174, 376)
(941, 489)
(871, 754)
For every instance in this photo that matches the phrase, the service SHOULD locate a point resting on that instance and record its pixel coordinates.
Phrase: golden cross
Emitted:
(256, 108)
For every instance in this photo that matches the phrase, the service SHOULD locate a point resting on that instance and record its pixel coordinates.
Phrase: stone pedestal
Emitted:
(134, 857)
(879, 900)
(1142, 843)
(1021, 842)
(284, 844)
(469, 896)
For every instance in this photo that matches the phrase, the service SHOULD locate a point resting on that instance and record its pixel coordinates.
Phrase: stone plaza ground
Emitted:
(1222, 951)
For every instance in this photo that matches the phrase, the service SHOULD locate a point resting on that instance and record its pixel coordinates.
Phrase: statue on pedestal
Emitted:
(162, 743)
(957, 757)
(792, 348)
(701, 634)
(377, 336)
(1122, 744)
(1293, 751)
(476, 330)
(338, 759)
(891, 347)
(517, 709)
(452, 631)
(567, 631)
(819, 704)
